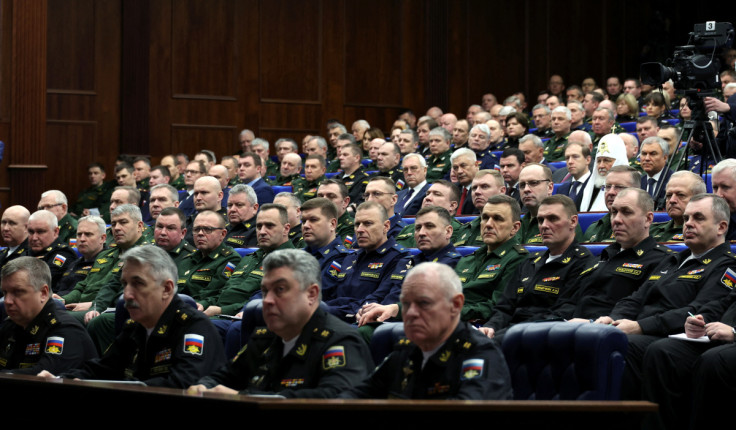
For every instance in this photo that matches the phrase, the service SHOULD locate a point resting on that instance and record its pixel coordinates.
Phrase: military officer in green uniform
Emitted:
(56, 202)
(121, 196)
(485, 272)
(177, 179)
(97, 196)
(314, 173)
(87, 299)
(205, 271)
(262, 148)
(169, 235)
(680, 189)
(442, 193)
(535, 183)
(288, 173)
(141, 172)
(617, 179)
(554, 148)
(486, 183)
(245, 281)
(242, 207)
(438, 163)
(353, 174)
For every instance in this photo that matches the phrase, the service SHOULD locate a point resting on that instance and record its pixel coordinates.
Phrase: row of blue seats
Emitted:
(595, 248)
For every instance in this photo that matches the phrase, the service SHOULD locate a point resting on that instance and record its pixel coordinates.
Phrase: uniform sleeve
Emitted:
(187, 364)
(211, 293)
(493, 383)
(378, 384)
(506, 305)
(672, 321)
(77, 348)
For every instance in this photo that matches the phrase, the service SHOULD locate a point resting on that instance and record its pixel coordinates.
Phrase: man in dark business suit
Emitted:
(250, 170)
(512, 161)
(577, 156)
(415, 175)
(464, 167)
(653, 155)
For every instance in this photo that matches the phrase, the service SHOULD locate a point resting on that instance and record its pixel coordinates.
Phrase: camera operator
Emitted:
(726, 136)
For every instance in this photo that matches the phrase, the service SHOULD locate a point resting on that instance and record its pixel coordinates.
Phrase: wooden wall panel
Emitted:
(71, 61)
(372, 53)
(290, 51)
(75, 140)
(191, 138)
(204, 55)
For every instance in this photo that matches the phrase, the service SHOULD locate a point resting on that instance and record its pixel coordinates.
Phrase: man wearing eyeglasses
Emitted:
(56, 202)
(535, 183)
(382, 190)
(205, 271)
(207, 197)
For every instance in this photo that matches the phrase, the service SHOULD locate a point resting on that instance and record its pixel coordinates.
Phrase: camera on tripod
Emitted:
(695, 72)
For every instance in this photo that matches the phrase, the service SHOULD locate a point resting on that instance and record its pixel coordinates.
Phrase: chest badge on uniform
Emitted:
(333, 357)
(54, 345)
(163, 355)
(193, 343)
(471, 369)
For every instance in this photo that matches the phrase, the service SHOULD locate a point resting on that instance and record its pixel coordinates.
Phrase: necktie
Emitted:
(408, 196)
(651, 182)
(462, 201)
(574, 190)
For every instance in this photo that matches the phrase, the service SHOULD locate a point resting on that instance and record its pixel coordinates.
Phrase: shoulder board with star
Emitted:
(399, 247)
(52, 320)
(521, 249)
(320, 333)
(184, 314)
(261, 332)
(403, 343)
(665, 249)
(227, 251)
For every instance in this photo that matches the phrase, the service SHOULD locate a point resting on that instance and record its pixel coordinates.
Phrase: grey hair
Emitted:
(483, 128)
(59, 197)
(422, 161)
(321, 142)
(46, 216)
(161, 266)
(304, 266)
(128, 209)
(173, 193)
(657, 140)
(259, 141)
(464, 152)
(564, 110)
(95, 220)
(247, 190)
(38, 272)
(534, 138)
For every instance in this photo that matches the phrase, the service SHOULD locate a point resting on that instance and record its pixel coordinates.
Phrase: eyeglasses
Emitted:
(47, 207)
(205, 229)
(375, 194)
(532, 184)
(617, 188)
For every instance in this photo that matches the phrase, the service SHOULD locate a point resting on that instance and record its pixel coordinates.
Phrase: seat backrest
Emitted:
(384, 338)
(565, 361)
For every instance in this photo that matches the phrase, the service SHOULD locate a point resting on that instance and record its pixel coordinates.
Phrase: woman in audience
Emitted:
(656, 105)
(627, 109)
(517, 125)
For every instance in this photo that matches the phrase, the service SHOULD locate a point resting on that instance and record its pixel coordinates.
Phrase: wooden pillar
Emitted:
(26, 147)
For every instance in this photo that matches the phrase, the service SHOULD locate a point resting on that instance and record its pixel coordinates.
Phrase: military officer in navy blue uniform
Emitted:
(370, 274)
(319, 222)
(382, 190)
(44, 243)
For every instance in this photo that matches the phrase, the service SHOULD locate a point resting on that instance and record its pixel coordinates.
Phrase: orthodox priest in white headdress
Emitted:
(611, 152)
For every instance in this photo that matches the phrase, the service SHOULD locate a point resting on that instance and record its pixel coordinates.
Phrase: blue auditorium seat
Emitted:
(245, 251)
(466, 219)
(558, 164)
(585, 219)
(555, 188)
(282, 188)
(630, 127)
(466, 250)
(565, 361)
